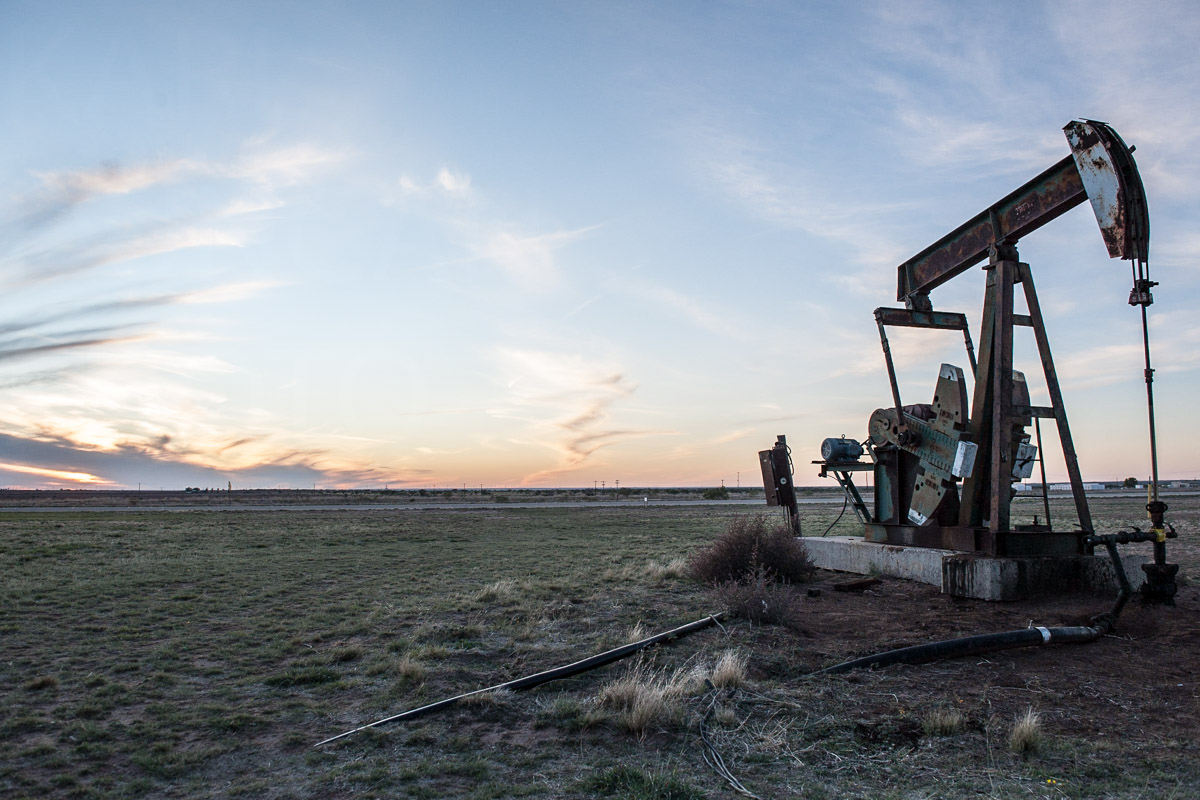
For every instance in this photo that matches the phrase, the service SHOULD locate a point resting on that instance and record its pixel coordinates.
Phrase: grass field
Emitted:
(202, 654)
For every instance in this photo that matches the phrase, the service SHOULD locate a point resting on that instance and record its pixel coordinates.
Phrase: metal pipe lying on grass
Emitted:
(530, 681)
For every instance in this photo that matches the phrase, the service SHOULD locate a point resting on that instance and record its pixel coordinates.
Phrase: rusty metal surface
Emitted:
(944, 538)
(1114, 187)
(1100, 169)
(768, 476)
(907, 318)
(1056, 400)
(1049, 195)
(935, 442)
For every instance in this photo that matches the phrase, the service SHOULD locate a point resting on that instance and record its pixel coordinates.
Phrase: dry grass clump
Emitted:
(944, 722)
(640, 702)
(40, 683)
(343, 654)
(752, 545)
(636, 633)
(730, 670)
(669, 570)
(410, 669)
(1026, 735)
(643, 699)
(431, 652)
(725, 717)
(500, 591)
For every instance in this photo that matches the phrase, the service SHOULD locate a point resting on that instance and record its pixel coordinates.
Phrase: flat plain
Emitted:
(203, 654)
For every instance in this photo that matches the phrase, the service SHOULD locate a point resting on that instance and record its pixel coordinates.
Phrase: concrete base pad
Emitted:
(969, 575)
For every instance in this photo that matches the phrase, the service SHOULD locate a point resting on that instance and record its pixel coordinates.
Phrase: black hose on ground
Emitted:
(530, 681)
(1101, 625)
(969, 646)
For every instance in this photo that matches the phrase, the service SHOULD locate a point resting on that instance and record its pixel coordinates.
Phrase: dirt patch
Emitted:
(1142, 677)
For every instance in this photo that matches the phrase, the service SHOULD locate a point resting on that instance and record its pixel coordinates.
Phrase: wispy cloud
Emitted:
(455, 185)
(129, 419)
(28, 347)
(530, 260)
(75, 186)
(447, 183)
(695, 310)
(244, 206)
(162, 464)
(958, 143)
(734, 436)
(284, 166)
(63, 190)
(94, 385)
(228, 292)
(566, 402)
(784, 195)
(59, 476)
(111, 248)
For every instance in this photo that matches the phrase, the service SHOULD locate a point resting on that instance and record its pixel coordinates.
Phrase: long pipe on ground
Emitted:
(530, 681)
(1102, 625)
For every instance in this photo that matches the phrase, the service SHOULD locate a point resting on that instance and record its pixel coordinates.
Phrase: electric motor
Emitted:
(840, 450)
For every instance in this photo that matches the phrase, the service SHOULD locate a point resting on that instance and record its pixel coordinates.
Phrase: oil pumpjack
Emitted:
(944, 472)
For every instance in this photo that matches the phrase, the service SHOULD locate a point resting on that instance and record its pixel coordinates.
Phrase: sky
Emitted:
(462, 244)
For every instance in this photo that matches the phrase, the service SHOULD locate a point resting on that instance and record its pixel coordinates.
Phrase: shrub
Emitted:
(760, 598)
(752, 548)
(716, 493)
